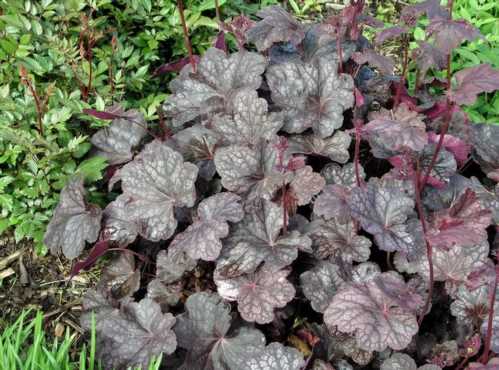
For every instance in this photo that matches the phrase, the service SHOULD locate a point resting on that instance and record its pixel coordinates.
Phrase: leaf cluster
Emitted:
(297, 188)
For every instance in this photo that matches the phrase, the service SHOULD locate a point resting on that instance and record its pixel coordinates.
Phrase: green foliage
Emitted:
(483, 14)
(59, 57)
(25, 345)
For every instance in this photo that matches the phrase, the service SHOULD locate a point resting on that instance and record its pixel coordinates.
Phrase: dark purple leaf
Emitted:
(257, 239)
(402, 361)
(155, 182)
(384, 64)
(320, 284)
(464, 223)
(132, 335)
(74, 221)
(98, 250)
(390, 33)
(427, 56)
(383, 209)
(201, 240)
(204, 331)
(238, 26)
(165, 294)
(175, 66)
(120, 278)
(376, 319)
(258, 294)
(470, 82)
(276, 25)
(470, 300)
(455, 265)
(277, 357)
(449, 34)
(410, 14)
(334, 147)
(342, 175)
(391, 132)
(459, 148)
(338, 240)
(333, 203)
(305, 185)
(247, 121)
(116, 142)
(220, 42)
(252, 171)
(208, 91)
(311, 95)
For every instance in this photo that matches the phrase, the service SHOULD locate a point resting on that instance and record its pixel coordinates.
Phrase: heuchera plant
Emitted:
(296, 193)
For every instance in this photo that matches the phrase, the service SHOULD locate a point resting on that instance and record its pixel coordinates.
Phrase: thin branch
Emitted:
(356, 157)
(429, 248)
(187, 41)
(443, 130)
(38, 104)
(218, 13)
(405, 68)
(490, 320)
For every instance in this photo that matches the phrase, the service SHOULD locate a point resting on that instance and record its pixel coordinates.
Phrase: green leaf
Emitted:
(92, 168)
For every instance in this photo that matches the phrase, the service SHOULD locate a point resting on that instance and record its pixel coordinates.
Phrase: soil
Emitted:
(30, 281)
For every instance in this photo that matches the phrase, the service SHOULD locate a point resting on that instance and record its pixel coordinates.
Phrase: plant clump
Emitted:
(276, 218)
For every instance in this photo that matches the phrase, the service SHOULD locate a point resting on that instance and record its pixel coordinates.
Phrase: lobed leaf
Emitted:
(392, 132)
(277, 25)
(134, 335)
(311, 95)
(449, 34)
(377, 320)
(117, 141)
(74, 221)
(155, 182)
(209, 90)
(383, 210)
(320, 284)
(257, 239)
(201, 240)
(258, 294)
(204, 330)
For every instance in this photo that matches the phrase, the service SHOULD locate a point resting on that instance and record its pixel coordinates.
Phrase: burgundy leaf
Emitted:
(390, 33)
(384, 64)
(391, 132)
(239, 26)
(427, 56)
(410, 14)
(449, 34)
(98, 250)
(464, 223)
(277, 25)
(470, 82)
(258, 294)
(74, 222)
(102, 114)
(460, 149)
(220, 42)
(377, 320)
(175, 66)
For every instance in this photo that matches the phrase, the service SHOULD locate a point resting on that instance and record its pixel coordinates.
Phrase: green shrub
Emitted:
(59, 57)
